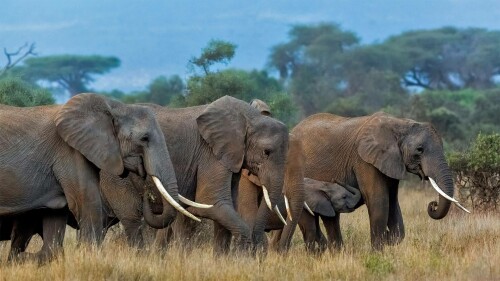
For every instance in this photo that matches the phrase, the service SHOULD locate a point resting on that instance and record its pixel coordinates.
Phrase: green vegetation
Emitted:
(446, 76)
(477, 171)
(14, 91)
(71, 72)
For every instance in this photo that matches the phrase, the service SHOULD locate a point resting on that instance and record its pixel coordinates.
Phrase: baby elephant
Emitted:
(325, 200)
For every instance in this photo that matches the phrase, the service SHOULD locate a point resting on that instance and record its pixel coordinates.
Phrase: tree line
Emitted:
(447, 76)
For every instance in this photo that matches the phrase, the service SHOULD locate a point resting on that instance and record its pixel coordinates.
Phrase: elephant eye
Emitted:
(267, 152)
(420, 150)
(145, 138)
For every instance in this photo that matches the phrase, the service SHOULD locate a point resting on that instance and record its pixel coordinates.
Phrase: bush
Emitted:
(14, 91)
(478, 172)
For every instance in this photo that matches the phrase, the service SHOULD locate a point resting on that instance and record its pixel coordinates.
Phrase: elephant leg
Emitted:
(231, 224)
(332, 226)
(54, 228)
(163, 238)
(81, 188)
(275, 239)
(375, 188)
(322, 241)
(248, 201)
(133, 231)
(222, 239)
(183, 232)
(307, 226)
(320, 238)
(378, 210)
(395, 223)
(22, 231)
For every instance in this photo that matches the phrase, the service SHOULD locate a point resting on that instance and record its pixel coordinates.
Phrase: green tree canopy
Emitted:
(310, 63)
(72, 72)
(217, 51)
(447, 58)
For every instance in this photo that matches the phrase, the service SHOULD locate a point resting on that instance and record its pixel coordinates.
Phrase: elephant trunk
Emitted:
(158, 165)
(264, 213)
(442, 176)
(296, 197)
(154, 220)
(354, 199)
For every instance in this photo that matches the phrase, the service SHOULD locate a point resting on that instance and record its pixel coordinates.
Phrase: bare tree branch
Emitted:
(21, 53)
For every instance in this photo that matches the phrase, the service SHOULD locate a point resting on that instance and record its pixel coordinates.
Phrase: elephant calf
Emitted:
(325, 200)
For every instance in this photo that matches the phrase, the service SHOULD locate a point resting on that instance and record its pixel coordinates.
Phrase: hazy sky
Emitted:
(157, 37)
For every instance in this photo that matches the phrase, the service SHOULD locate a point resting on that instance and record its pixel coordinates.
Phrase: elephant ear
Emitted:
(85, 122)
(317, 199)
(378, 145)
(223, 127)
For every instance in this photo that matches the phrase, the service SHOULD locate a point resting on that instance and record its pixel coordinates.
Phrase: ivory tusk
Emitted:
(277, 211)
(194, 204)
(171, 200)
(266, 197)
(462, 207)
(308, 209)
(436, 187)
(288, 211)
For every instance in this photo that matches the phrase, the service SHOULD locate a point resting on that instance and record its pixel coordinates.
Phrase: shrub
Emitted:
(14, 91)
(477, 172)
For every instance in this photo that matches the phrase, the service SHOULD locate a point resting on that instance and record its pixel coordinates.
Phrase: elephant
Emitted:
(325, 200)
(209, 145)
(373, 153)
(51, 157)
(251, 199)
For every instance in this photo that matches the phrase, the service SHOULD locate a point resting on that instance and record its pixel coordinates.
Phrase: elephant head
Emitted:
(240, 137)
(395, 146)
(327, 199)
(119, 138)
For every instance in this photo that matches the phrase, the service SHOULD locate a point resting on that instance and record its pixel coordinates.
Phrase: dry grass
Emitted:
(459, 247)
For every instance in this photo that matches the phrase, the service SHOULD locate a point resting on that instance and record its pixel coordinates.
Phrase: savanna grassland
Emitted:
(459, 247)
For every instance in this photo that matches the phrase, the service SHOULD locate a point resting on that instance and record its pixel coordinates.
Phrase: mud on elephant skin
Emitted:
(209, 145)
(373, 153)
(51, 157)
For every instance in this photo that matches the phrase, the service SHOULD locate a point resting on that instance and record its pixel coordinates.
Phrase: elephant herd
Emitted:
(94, 162)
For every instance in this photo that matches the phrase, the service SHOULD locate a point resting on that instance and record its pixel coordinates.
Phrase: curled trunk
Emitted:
(442, 175)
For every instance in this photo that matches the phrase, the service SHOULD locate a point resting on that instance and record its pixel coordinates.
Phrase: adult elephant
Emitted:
(251, 199)
(373, 153)
(51, 156)
(209, 145)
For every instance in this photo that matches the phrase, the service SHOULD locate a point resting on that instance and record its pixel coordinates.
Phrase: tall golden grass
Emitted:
(459, 247)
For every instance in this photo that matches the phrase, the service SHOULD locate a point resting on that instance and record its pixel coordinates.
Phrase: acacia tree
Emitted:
(72, 72)
(217, 51)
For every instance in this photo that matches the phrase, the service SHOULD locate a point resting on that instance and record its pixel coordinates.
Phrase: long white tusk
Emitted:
(308, 209)
(194, 204)
(462, 207)
(277, 211)
(288, 211)
(171, 200)
(266, 197)
(436, 187)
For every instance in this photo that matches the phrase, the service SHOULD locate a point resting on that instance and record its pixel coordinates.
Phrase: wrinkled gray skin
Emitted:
(209, 145)
(326, 200)
(373, 153)
(250, 199)
(51, 157)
